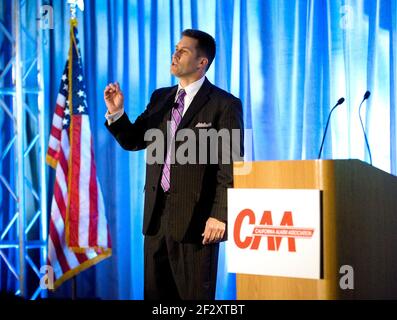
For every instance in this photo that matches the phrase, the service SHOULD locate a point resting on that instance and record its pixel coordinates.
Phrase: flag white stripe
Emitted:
(53, 143)
(84, 184)
(102, 224)
(60, 228)
(57, 219)
(61, 179)
(54, 260)
(60, 174)
(90, 253)
(61, 100)
(57, 122)
(65, 143)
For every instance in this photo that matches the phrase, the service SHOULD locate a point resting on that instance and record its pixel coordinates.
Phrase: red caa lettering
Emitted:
(286, 221)
(273, 243)
(237, 228)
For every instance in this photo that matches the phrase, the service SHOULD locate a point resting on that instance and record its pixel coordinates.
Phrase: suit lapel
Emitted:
(168, 99)
(199, 100)
(166, 107)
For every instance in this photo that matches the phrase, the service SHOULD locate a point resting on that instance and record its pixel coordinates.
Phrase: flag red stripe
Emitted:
(63, 163)
(93, 234)
(51, 152)
(56, 133)
(109, 239)
(59, 199)
(74, 210)
(59, 111)
(81, 257)
(58, 248)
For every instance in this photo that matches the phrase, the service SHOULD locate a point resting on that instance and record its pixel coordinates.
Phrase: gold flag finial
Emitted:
(73, 5)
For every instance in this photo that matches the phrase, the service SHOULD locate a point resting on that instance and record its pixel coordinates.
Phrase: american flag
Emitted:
(79, 236)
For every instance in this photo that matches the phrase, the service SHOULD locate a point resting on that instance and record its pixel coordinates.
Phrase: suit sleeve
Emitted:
(129, 135)
(231, 118)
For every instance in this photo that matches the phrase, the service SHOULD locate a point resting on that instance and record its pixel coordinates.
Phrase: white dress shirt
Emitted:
(191, 91)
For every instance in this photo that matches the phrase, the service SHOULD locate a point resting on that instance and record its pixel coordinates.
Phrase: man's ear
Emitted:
(203, 63)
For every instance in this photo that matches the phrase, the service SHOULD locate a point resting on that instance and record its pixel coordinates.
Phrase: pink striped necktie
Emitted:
(176, 117)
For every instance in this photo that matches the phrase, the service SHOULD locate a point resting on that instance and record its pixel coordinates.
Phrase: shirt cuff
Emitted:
(113, 117)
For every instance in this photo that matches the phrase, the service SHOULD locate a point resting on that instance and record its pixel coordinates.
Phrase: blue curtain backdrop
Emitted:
(289, 62)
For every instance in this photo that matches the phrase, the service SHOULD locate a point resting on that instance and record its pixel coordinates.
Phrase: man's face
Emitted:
(185, 60)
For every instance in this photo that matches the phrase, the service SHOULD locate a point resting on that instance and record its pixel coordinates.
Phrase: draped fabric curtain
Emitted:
(289, 62)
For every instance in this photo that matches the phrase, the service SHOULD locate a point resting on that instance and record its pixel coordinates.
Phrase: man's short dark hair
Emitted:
(205, 43)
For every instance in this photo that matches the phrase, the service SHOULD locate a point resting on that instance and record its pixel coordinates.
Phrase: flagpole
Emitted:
(65, 249)
(74, 288)
(72, 5)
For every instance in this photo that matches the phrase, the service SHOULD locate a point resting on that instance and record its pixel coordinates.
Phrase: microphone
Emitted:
(340, 101)
(366, 96)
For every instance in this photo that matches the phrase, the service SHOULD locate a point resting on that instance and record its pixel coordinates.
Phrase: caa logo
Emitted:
(274, 234)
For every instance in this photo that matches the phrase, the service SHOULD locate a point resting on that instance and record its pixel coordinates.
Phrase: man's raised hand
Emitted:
(113, 97)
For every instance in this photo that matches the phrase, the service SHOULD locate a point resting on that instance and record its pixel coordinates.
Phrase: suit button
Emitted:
(153, 188)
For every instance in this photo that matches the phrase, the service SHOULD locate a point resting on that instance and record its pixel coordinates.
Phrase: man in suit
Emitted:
(185, 207)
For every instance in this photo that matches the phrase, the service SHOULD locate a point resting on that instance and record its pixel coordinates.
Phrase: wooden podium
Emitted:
(359, 228)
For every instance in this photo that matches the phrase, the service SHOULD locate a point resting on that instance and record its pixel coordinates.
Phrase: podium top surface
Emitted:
(307, 174)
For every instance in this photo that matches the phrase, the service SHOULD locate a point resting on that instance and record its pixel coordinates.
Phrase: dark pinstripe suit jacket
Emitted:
(197, 191)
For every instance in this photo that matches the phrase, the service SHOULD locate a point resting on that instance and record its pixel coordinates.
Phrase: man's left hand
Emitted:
(214, 231)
